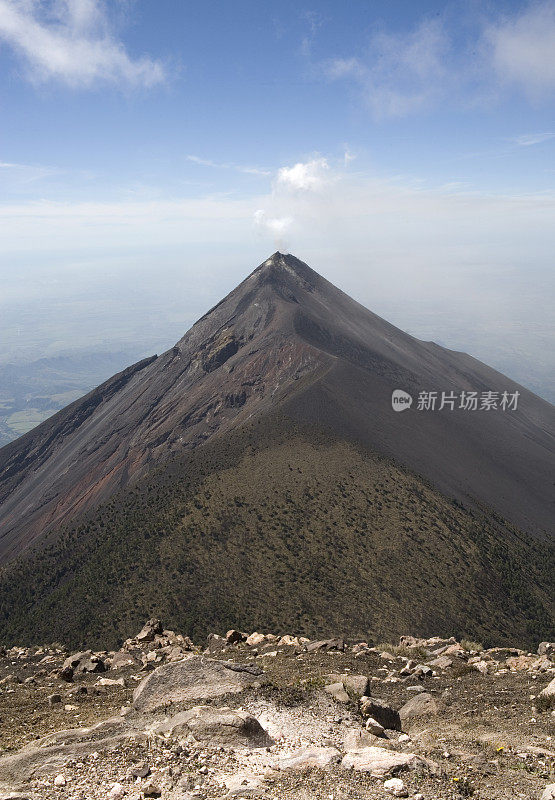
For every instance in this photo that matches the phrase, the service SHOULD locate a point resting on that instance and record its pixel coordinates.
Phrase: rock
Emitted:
(380, 711)
(325, 644)
(549, 690)
(53, 699)
(357, 740)
(374, 727)
(255, 639)
(152, 790)
(217, 727)
(123, 660)
(481, 666)
(50, 753)
(353, 684)
(549, 792)
(422, 670)
(289, 641)
(84, 662)
(418, 706)
(520, 663)
(117, 792)
(149, 630)
(546, 649)
(543, 664)
(337, 691)
(310, 757)
(235, 637)
(396, 787)
(111, 682)
(380, 762)
(140, 770)
(59, 780)
(215, 643)
(244, 786)
(441, 663)
(194, 678)
(66, 674)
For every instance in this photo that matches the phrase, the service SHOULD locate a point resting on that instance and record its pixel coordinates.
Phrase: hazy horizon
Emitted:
(151, 157)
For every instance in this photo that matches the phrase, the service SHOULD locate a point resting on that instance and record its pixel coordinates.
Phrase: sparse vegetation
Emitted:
(470, 646)
(545, 703)
(402, 651)
(283, 529)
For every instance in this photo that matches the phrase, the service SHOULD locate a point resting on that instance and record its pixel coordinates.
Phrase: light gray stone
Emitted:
(193, 678)
(418, 706)
(310, 757)
(380, 762)
(217, 727)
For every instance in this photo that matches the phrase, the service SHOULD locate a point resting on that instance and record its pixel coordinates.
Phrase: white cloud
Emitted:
(443, 61)
(206, 162)
(523, 49)
(307, 176)
(71, 41)
(400, 73)
(534, 138)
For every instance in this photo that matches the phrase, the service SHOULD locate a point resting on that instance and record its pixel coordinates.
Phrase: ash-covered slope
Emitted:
(285, 339)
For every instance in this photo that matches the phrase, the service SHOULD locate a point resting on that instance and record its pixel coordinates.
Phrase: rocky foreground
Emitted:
(277, 717)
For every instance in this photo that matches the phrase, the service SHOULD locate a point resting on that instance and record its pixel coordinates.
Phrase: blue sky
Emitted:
(404, 149)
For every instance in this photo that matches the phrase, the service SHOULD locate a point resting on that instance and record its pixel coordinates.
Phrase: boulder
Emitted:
(380, 711)
(546, 649)
(215, 643)
(234, 637)
(80, 663)
(255, 639)
(418, 706)
(353, 684)
(310, 757)
(149, 630)
(47, 755)
(380, 762)
(217, 727)
(441, 663)
(549, 690)
(194, 678)
(337, 691)
(374, 727)
(359, 739)
(396, 787)
(122, 659)
(549, 792)
(325, 644)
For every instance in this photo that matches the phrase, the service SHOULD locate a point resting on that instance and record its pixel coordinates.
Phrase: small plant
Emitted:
(402, 651)
(460, 668)
(545, 702)
(469, 645)
(464, 786)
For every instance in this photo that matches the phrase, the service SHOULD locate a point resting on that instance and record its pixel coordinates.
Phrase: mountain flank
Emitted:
(256, 473)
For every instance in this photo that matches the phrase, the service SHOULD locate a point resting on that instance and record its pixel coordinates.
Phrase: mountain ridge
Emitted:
(283, 324)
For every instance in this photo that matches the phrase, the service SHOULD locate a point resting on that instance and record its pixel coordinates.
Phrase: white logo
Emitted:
(400, 400)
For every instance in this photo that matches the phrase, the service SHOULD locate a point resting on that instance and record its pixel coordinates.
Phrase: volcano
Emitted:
(286, 360)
